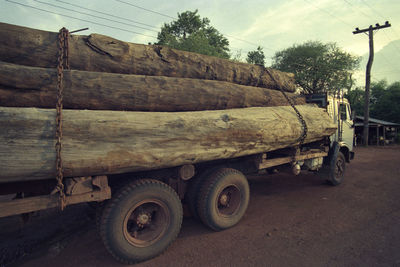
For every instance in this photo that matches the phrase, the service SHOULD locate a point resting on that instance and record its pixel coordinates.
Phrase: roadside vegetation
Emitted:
(318, 67)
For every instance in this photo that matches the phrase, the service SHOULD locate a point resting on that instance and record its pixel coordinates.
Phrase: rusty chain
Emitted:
(62, 64)
(300, 117)
(303, 124)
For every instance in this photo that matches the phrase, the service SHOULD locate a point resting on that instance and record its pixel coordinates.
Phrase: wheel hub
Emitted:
(143, 219)
(228, 201)
(224, 200)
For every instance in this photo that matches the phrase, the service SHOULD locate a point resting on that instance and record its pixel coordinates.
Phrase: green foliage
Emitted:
(356, 98)
(318, 67)
(384, 101)
(194, 34)
(256, 57)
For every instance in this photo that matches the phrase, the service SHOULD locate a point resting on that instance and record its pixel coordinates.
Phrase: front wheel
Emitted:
(338, 166)
(141, 221)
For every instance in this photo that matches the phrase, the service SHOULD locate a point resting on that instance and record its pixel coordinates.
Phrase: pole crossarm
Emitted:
(371, 28)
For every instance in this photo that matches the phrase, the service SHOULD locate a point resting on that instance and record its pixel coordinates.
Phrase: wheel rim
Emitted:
(228, 201)
(146, 222)
(339, 167)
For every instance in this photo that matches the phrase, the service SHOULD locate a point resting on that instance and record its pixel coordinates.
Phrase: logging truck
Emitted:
(139, 213)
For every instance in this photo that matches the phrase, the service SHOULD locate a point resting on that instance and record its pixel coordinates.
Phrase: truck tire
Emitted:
(99, 214)
(141, 221)
(192, 193)
(337, 168)
(223, 199)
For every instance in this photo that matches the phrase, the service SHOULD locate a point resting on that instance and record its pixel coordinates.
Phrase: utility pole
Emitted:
(370, 32)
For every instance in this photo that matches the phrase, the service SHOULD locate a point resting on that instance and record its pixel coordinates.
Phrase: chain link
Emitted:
(301, 119)
(62, 63)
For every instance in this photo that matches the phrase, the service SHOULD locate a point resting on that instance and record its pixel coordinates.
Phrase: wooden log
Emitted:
(108, 142)
(22, 86)
(26, 46)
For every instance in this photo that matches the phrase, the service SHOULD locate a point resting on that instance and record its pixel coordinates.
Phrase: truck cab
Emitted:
(339, 110)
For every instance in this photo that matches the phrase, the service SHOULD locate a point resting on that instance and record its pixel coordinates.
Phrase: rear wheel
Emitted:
(193, 191)
(141, 221)
(223, 199)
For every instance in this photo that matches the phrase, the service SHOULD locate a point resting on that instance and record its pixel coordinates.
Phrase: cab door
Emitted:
(346, 125)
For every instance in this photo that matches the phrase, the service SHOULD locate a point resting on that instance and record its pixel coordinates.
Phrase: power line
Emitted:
(168, 16)
(359, 10)
(88, 21)
(248, 42)
(87, 14)
(107, 14)
(330, 14)
(375, 11)
(379, 14)
(155, 12)
(368, 16)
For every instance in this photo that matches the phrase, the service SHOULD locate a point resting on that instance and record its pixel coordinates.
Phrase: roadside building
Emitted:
(380, 132)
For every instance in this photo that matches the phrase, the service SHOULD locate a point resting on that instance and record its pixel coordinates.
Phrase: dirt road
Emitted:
(291, 221)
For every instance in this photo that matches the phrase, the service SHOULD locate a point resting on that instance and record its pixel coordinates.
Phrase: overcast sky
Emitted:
(272, 24)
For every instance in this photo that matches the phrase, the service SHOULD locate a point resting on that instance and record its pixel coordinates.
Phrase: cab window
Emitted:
(343, 111)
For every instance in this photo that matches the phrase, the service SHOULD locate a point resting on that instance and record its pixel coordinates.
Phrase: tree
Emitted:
(378, 89)
(356, 99)
(318, 67)
(385, 101)
(192, 33)
(256, 57)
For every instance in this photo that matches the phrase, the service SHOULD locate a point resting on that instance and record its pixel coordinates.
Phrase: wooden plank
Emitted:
(274, 162)
(99, 53)
(268, 163)
(22, 86)
(25, 205)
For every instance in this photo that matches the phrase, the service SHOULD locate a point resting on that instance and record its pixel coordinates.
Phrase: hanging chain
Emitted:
(62, 64)
(300, 117)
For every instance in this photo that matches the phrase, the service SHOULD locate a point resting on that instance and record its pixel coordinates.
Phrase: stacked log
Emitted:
(104, 142)
(99, 53)
(22, 86)
(130, 107)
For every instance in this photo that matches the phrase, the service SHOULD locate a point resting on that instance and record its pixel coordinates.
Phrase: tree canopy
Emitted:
(317, 67)
(192, 33)
(384, 101)
(356, 98)
(256, 56)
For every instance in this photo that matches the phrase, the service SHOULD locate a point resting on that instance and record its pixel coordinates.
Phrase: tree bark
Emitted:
(109, 142)
(101, 53)
(22, 86)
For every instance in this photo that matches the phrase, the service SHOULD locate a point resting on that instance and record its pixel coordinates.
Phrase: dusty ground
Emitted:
(291, 221)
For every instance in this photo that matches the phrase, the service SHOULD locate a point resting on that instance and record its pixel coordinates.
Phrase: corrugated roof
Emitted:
(373, 121)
